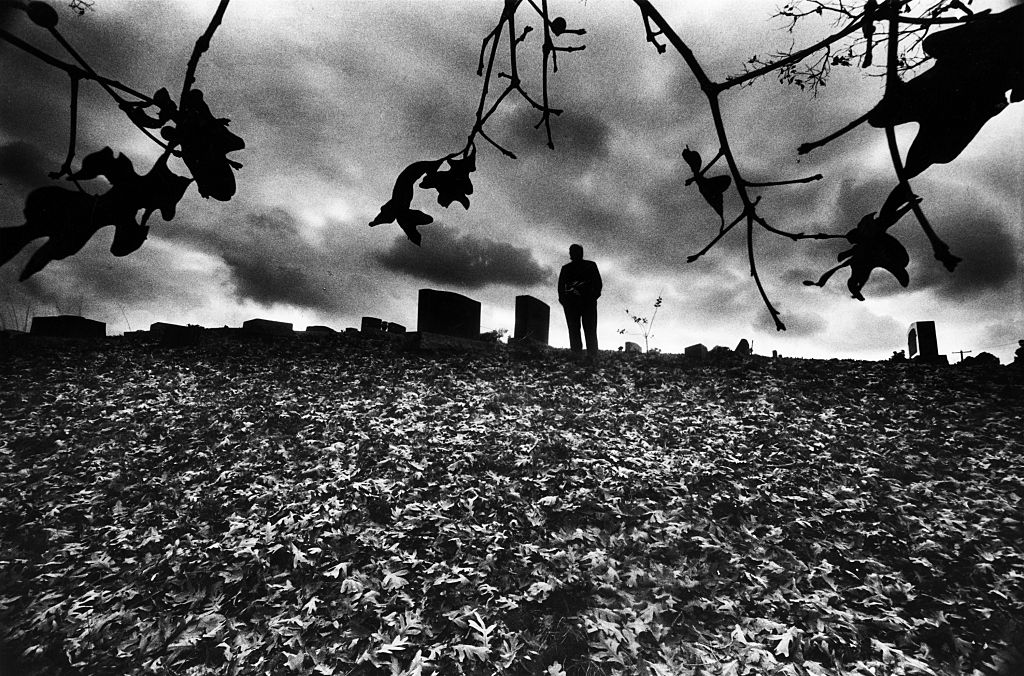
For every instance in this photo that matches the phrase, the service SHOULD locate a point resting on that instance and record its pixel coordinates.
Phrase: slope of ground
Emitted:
(347, 508)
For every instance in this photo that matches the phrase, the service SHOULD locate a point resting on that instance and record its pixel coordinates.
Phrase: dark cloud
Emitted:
(266, 281)
(454, 259)
(269, 262)
(23, 165)
(990, 261)
(580, 137)
(799, 324)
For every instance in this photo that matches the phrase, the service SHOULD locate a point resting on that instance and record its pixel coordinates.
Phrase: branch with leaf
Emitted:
(187, 129)
(976, 63)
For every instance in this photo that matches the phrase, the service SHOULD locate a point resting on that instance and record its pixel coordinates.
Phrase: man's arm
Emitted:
(598, 284)
(561, 286)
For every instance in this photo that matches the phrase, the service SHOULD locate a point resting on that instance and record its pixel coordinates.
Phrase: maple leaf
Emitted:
(205, 142)
(976, 64)
(399, 207)
(453, 185)
(713, 188)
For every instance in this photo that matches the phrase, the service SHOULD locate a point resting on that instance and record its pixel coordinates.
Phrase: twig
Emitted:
(70, 69)
(65, 168)
(721, 233)
(939, 247)
(504, 151)
(202, 44)
(779, 325)
(545, 117)
(793, 58)
(765, 184)
(808, 147)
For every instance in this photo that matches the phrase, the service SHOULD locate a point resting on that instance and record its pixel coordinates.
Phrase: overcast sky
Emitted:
(335, 97)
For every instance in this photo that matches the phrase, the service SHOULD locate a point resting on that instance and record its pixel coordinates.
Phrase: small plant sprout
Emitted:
(645, 325)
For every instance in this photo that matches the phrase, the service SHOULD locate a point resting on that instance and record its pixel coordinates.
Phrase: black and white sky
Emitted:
(335, 97)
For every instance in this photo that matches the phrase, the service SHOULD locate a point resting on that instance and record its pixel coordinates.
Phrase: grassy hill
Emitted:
(342, 507)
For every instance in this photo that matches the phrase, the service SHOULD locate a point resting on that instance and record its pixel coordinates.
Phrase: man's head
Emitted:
(576, 252)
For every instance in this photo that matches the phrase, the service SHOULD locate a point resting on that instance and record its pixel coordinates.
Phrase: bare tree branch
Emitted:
(202, 44)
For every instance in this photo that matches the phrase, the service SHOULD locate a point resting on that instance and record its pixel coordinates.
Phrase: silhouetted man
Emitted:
(579, 287)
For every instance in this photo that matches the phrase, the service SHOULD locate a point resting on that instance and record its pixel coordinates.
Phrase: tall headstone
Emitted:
(921, 341)
(533, 318)
(267, 327)
(68, 326)
(371, 325)
(448, 313)
(633, 348)
(743, 347)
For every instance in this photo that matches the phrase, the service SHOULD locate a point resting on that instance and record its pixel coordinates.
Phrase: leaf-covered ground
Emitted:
(347, 508)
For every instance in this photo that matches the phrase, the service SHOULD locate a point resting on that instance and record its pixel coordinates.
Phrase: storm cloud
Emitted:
(464, 260)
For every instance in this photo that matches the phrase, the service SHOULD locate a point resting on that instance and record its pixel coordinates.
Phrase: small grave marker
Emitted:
(267, 327)
(68, 326)
(698, 352)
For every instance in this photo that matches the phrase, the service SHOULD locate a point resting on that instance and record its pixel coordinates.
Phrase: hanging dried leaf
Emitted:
(69, 218)
(399, 207)
(713, 188)
(873, 247)
(205, 142)
(976, 64)
(453, 185)
(692, 158)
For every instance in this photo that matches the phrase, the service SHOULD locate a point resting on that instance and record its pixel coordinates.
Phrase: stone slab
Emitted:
(68, 326)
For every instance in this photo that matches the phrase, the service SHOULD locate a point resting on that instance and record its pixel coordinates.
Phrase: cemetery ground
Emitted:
(345, 507)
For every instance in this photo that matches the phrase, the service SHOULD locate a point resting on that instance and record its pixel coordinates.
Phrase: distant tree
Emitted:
(187, 129)
(974, 72)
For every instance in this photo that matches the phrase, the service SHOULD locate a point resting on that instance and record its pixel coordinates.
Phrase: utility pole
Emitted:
(961, 353)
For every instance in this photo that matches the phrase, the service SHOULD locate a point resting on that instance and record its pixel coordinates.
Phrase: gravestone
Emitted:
(533, 318)
(921, 341)
(633, 348)
(68, 326)
(176, 335)
(320, 329)
(371, 325)
(267, 327)
(743, 348)
(448, 314)
(395, 328)
(698, 351)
